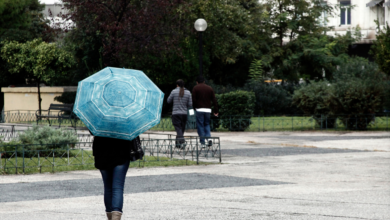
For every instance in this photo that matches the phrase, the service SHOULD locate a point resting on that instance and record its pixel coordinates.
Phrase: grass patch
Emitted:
(285, 123)
(277, 123)
(81, 160)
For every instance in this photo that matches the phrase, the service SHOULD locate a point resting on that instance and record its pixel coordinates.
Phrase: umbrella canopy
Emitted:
(118, 103)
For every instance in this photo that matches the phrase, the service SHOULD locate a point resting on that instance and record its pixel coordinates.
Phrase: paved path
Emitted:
(271, 175)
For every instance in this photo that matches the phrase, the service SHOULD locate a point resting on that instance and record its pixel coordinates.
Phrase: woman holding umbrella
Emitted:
(117, 105)
(182, 100)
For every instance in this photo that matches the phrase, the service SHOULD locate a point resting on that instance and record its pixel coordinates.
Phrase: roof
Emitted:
(373, 3)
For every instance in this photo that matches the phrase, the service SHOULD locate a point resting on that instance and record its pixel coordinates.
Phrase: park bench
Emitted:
(58, 112)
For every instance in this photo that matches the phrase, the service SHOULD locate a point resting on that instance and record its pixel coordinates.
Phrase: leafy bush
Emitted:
(270, 99)
(311, 100)
(236, 109)
(380, 49)
(387, 97)
(46, 135)
(40, 138)
(219, 89)
(357, 93)
(256, 70)
(66, 97)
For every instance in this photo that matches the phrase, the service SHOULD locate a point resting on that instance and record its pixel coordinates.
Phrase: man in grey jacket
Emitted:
(182, 100)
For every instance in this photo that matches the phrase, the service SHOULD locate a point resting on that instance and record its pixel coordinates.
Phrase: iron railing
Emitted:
(378, 121)
(28, 158)
(370, 122)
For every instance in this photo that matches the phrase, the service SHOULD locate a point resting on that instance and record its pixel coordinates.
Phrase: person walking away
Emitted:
(112, 158)
(182, 101)
(203, 96)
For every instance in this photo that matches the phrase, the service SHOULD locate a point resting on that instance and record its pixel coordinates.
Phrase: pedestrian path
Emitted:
(263, 176)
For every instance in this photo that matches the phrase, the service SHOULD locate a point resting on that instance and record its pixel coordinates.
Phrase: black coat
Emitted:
(111, 152)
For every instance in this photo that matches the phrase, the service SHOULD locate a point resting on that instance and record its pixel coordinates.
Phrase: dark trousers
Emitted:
(114, 183)
(203, 125)
(179, 122)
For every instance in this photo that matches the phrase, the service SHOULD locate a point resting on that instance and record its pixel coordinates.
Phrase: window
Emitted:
(323, 16)
(345, 15)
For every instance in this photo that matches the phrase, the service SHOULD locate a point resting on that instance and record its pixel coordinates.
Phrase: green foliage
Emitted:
(256, 70)
(66, 97)
(270, 99)
(309, 50)
(230, 42)
(37, 60)
(48, 136)
(238, 106)
(358, 90)
(386, 105)
(43, 61)
(381, 49)
(311, 99)
(21, 19)
(40, 138)
(355, 94)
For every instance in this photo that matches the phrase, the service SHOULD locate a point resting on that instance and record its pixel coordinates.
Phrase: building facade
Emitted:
(350, 14)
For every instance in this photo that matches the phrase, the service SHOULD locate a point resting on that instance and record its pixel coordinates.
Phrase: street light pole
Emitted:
(200, 54)
(200, 25)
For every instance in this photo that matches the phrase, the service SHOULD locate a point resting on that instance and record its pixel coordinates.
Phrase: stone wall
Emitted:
(26, 98)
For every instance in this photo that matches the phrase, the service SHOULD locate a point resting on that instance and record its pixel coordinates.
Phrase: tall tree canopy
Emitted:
(129, 29)
(22, 20)
(37, 60)
(381, 50)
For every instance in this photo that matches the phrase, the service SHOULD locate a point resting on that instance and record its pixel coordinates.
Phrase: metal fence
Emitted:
(372, 122)
(30, 158)
(33, 158)
(378, 121)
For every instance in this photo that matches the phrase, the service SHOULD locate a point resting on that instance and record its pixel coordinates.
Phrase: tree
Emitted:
(287, 21)
(37, 60)
(256, 70)
(355, 94)
(233, 39)
(129, 29)
(20, 20)
(381, 49)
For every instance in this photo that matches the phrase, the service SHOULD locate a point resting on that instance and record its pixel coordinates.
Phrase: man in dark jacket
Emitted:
(202, 97)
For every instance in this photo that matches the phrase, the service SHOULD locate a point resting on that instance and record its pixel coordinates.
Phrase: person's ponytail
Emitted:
(180, 83)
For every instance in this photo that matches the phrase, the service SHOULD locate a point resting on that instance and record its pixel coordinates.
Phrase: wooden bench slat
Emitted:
(59, 110)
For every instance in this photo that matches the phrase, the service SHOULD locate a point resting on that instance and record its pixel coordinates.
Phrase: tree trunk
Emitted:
(39, 97)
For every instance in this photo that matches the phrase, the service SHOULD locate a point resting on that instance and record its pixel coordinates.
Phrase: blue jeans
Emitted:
(203, 125)
(114, 182)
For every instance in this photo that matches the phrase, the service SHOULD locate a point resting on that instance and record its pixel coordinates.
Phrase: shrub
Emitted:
(311, 100)
(66, 98)
(46, 135)
(40, 138)
(387, 97)
(236, 109)
(357, 93)
(354, 95)
(270, 99)
(380, 49)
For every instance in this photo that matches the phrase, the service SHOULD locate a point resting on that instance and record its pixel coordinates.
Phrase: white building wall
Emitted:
(361, 16)
(387, 13)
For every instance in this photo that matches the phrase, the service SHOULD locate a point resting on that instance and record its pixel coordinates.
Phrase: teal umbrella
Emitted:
(118, 103)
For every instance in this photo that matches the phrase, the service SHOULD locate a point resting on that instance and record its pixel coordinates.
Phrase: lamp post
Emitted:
(200, 25)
